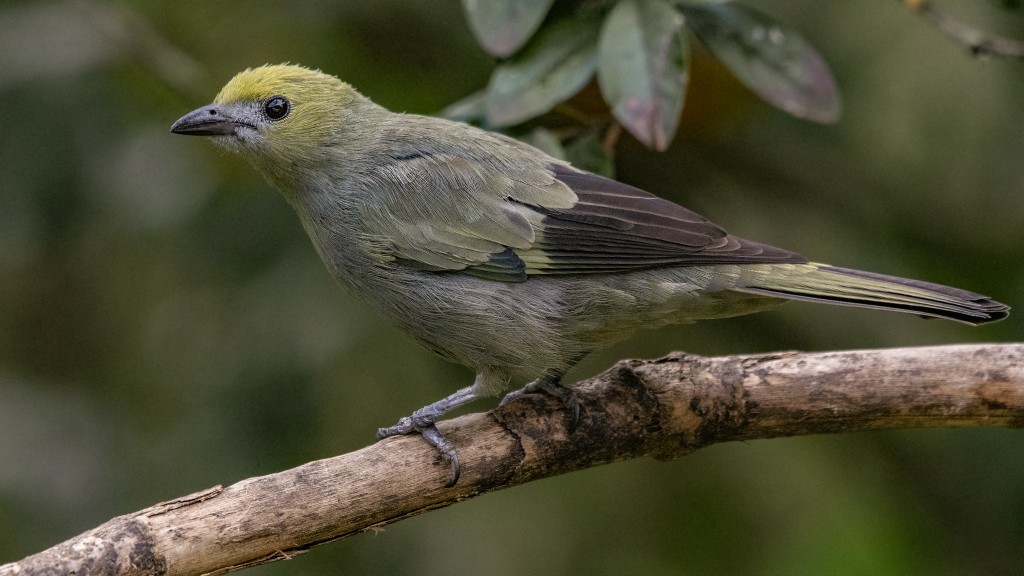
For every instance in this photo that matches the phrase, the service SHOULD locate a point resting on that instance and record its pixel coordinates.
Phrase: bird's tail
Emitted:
(823, 283)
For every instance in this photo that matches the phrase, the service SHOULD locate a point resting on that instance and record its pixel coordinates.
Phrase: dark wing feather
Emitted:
(615, 227)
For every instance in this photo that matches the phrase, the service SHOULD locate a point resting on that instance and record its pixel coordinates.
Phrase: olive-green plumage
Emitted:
(500, 257)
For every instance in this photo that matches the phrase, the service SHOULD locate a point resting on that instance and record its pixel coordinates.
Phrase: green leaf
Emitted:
(556, 64)
(587, 152)
(470, 109)
(770, 58)
(643, 59)
(503, 26)
(545, 140)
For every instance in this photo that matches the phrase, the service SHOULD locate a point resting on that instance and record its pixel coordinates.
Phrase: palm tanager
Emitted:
(497, 256)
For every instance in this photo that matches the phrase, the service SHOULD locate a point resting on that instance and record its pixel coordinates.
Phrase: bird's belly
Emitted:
(513, 330)
(546, 323)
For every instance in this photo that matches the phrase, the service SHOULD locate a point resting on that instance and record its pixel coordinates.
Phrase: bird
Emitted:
(497, 256)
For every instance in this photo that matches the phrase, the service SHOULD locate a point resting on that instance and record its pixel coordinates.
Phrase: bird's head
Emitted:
(281, 118)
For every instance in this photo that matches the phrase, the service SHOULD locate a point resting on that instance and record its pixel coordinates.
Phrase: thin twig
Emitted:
(611, 138)
(978, 42)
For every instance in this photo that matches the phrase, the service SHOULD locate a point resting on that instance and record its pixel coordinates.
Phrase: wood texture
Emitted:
(664, 408)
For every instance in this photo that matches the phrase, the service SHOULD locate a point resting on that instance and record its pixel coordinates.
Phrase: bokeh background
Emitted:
(166, 326)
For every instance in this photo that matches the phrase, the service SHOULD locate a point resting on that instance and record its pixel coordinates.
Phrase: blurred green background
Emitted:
(166, 326)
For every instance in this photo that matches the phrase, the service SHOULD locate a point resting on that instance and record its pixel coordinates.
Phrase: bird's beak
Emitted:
(211, 120)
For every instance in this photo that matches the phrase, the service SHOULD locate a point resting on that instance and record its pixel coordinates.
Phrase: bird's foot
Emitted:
(422, 422)
(567, 395)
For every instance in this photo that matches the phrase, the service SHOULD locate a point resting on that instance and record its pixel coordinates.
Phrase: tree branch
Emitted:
(663, 408)
(978, 42)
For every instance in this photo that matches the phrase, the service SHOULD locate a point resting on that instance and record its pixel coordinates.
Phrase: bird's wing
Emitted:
(615, 227)
(452, 213)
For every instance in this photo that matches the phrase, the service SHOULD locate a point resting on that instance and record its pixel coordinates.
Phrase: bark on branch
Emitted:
(663, 408)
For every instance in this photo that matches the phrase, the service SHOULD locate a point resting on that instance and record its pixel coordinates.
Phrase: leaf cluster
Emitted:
(639, 52)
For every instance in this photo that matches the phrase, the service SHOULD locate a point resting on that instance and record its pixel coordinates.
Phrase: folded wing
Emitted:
(452, 213)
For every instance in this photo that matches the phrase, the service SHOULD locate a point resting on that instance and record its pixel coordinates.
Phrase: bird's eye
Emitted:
(277, 107)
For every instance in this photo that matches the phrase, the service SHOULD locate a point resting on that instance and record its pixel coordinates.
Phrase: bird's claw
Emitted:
(513, 395)
(404, 426)
(567, 395)
(424, 426)
(434, 437)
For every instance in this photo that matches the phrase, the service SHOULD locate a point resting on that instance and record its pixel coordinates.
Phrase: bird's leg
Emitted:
(422, 422)
(551, 384)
